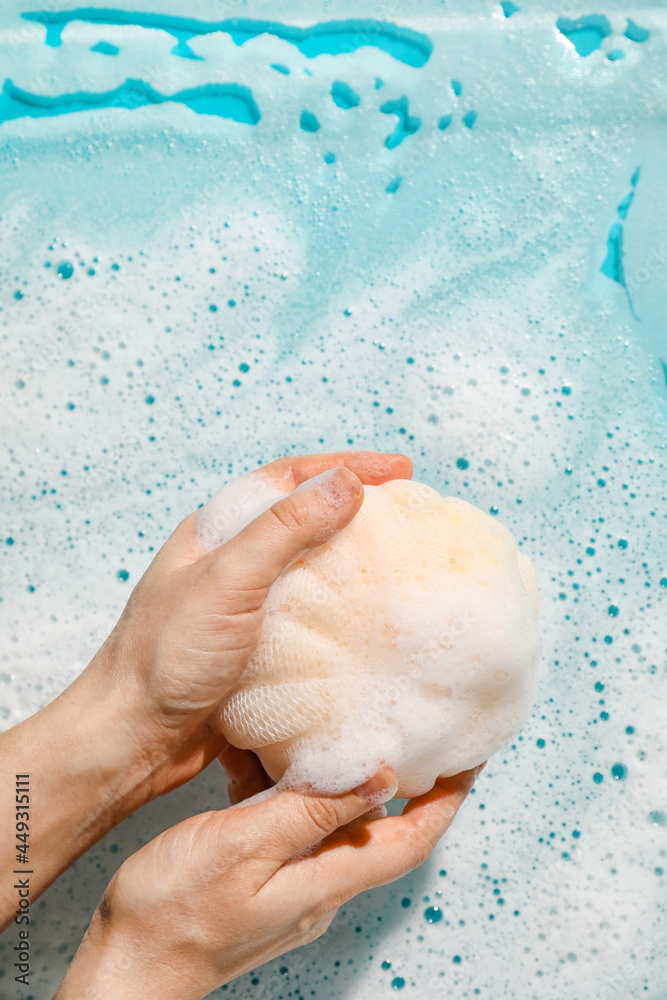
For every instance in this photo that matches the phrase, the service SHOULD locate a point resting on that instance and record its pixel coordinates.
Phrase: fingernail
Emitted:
(480, 768)
(380, 788)
(339, 485)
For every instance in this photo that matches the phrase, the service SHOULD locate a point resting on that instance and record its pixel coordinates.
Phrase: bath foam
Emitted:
(410, 639)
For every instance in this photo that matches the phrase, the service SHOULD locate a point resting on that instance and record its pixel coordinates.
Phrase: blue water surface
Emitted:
(232, 232)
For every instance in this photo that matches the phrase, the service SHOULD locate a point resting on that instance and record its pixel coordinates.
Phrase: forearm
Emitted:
(83, 772)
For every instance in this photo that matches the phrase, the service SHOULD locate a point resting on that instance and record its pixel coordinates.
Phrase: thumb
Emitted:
(287, 822)
(310, 515)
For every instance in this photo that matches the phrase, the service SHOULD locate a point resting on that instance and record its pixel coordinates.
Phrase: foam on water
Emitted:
(462, 315)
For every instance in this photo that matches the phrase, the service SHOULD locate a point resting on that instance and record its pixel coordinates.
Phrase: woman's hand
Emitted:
(193, 621)
(224, 892)
(138, 721)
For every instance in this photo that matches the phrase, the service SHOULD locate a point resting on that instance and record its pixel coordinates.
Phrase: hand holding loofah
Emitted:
(410, 639)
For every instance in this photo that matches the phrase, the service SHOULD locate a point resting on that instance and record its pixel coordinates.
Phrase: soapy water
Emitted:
(186, 295)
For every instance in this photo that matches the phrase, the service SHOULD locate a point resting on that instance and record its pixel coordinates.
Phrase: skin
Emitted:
(140, 721)
(221, 893)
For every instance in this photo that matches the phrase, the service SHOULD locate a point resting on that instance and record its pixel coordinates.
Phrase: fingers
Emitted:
(246, 775)
(290, 822)
(382, 850)
(372, 467)
(251, 561)
(377, 812)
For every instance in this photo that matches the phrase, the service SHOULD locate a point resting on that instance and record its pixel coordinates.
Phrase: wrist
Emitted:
(160, 743)
(110, 965)
(99, 971)
(108, 744)
(86, 772)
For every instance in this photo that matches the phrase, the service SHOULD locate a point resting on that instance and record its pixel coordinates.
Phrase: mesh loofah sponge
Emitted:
(410, 638)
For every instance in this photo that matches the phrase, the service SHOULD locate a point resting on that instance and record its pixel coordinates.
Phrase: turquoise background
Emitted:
(236, 230)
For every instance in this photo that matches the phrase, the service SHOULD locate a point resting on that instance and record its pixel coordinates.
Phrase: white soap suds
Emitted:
(409, 639)
(233, 507)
